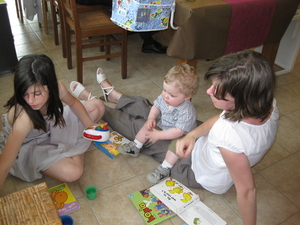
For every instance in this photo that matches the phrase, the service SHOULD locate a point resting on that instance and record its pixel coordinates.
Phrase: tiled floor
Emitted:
(277, 176)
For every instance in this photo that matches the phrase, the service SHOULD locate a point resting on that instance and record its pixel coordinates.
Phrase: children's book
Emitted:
(110, 147)
(64, 200)
(151, 209)
(185, 203)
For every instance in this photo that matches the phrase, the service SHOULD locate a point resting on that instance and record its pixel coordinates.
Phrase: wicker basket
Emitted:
(32, 205)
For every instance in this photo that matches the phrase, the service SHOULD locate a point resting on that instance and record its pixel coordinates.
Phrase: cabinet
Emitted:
(289, 46)
(8, 56)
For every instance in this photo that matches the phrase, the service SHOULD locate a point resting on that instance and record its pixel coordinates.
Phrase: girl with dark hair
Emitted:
(43, 136)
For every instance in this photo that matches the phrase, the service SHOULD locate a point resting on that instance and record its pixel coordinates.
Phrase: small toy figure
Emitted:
(59, 198)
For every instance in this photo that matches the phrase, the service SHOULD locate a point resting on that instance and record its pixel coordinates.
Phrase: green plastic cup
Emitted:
(91, 192)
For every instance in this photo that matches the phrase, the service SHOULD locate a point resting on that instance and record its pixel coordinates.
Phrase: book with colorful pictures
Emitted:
(64, 200)
(151, 209)
(185, 203)
(110, 147)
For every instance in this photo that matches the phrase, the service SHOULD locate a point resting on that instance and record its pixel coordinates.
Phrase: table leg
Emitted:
(270, 51)
(190, 62)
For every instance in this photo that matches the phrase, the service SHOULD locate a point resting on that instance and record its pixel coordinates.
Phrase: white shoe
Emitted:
(129, 149)
(100, 75)
(79, 88)
(158, 174)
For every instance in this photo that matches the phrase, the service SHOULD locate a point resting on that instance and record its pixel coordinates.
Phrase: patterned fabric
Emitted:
(1, 141)
(142, 15)
(182, 117)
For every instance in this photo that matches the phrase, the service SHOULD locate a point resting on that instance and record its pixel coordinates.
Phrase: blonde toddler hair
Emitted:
(184, 77)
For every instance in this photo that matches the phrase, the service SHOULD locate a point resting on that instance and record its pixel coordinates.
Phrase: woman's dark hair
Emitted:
(36, 70)
(249, 78)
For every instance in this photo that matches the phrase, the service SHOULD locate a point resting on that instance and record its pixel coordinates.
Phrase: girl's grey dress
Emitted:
(40, 150)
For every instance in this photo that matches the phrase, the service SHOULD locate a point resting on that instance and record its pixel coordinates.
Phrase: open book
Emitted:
(110, 147)
(185, 203)
(151, 209)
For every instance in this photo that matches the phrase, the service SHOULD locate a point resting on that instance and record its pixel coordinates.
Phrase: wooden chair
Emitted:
(91, 29)
(45, 17)
(58, 21)
(19, 10)
(57, 17)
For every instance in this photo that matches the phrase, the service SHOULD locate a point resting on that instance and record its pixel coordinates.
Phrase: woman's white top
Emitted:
(238, 137)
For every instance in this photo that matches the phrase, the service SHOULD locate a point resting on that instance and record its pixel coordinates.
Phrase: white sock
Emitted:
(166, 165)
(138, 144)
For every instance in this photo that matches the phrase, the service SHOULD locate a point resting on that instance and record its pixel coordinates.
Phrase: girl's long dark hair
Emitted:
(36, 70)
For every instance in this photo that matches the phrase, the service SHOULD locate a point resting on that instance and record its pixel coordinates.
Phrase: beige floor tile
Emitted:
(293, 88)
(294, 116)
(112, 202)
(277, 175)
(288, 134)
(103, 171)
(272, 206)
(85, 214)
(297, 155)
(287, 103)
(294, 220)
(284, 176)
(286, 79)
(275, 154)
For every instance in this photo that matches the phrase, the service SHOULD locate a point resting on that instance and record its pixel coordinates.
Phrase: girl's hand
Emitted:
(185, 146)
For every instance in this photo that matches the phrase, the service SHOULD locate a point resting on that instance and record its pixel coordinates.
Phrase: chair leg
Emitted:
(107, 47)
(102, 40)
(63, 40)
(62, 29)
(124, 55)
(55, 22)
(19, 10)
(79, 57)
(45, 20)
(68, 47)
(79, 62)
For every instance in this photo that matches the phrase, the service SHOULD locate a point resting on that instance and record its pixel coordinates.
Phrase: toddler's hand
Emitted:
(150, 124)
(153, 136)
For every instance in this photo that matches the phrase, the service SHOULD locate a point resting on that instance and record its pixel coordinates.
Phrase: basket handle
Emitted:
(172, 16)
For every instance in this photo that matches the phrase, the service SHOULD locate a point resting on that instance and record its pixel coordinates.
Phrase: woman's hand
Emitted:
(185, 146)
